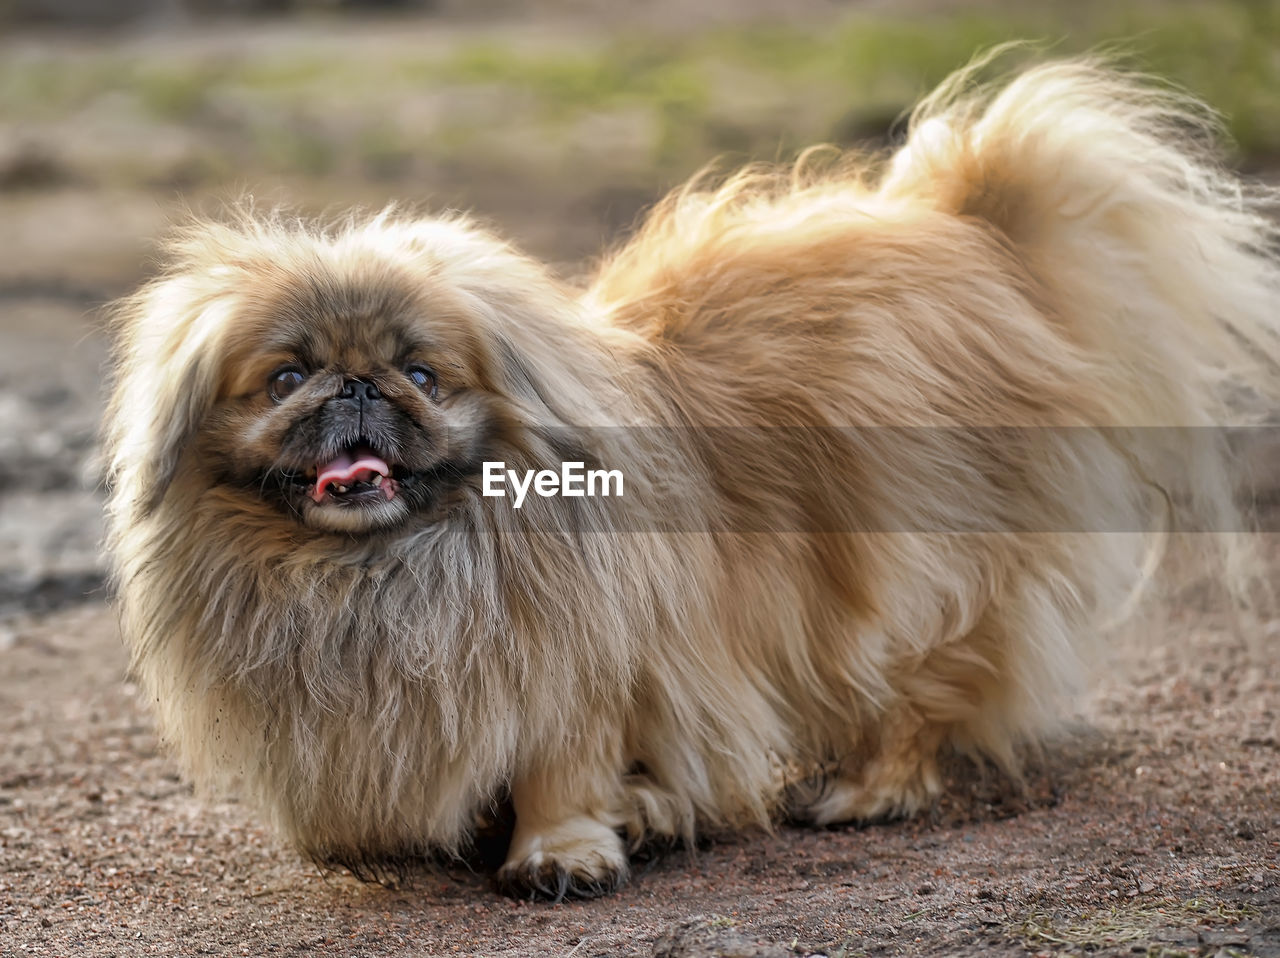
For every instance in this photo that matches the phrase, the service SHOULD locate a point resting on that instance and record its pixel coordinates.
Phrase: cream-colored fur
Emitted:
(770, 597)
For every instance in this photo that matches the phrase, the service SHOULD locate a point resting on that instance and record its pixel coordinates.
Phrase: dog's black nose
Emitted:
(359, 389)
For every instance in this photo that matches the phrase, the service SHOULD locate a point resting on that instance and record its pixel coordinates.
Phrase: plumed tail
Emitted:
(1147, 253)
(1109, 187)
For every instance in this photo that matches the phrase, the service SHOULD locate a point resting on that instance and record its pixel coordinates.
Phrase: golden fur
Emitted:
(770, 597)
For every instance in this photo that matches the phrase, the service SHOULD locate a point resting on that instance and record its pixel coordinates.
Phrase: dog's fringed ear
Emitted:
(555, 421)
(530, 386)
(548, 361)
(166, 343)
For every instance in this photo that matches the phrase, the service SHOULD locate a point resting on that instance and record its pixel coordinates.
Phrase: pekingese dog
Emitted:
(871, 422)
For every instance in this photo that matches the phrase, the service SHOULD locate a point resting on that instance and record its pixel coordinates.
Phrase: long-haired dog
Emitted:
(876, 421)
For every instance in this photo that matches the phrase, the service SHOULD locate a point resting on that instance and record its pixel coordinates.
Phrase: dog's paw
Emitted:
(578, 858)
(877, 794)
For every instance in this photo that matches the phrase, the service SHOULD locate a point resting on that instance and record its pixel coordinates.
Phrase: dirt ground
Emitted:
(1151, 827)
(1153, 830)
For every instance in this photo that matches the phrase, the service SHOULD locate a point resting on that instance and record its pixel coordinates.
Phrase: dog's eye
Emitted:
(284, 381)
(423, 378)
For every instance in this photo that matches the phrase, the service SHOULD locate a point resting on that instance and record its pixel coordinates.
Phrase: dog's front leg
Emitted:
(566, 843)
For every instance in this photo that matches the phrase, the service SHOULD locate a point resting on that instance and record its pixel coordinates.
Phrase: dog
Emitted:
(875, 418)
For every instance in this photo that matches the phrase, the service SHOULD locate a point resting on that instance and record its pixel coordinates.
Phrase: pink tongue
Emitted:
(365, 466)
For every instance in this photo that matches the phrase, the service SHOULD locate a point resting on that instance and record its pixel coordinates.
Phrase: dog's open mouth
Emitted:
(357, 475)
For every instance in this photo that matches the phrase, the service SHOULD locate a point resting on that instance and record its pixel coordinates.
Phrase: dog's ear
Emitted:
(548, 395)
(167, 339)
(533, 387)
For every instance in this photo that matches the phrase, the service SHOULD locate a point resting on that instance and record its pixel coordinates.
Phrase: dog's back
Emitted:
(1003, 328)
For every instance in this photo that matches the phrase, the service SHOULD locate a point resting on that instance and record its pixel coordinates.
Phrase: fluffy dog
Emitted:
(862, 519)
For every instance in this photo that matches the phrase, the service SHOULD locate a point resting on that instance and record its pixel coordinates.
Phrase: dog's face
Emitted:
(352, 407)
(354, 384)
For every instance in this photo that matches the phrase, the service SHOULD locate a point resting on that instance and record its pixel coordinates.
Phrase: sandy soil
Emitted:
(1153, 828)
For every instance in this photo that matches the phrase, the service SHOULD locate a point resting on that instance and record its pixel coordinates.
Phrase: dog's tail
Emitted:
(1108, 186)
(1152, 258)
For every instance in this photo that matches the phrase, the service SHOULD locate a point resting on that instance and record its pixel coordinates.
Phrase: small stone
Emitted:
(1223, 939)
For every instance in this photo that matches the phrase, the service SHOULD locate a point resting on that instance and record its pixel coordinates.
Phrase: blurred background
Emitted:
(556, 120)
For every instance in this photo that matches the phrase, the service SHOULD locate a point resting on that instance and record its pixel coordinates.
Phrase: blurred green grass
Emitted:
(652, 105)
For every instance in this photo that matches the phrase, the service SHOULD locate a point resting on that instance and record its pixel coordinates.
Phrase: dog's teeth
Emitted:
(377, 480)
(340, 488)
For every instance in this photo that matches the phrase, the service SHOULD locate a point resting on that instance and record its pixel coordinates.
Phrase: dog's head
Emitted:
(352, 379)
